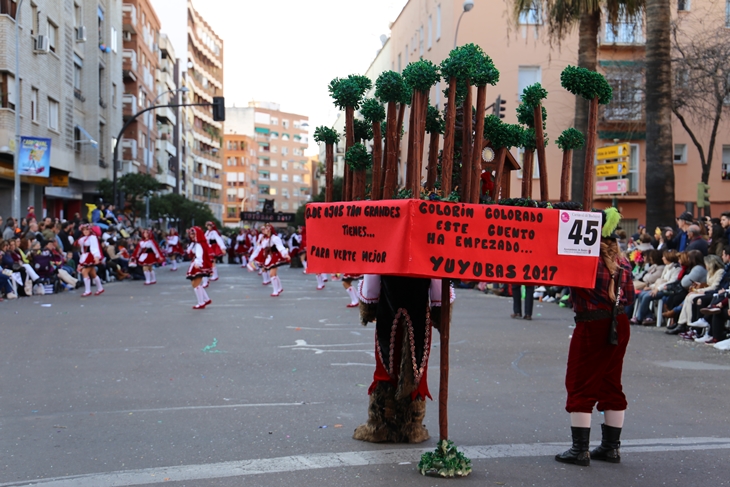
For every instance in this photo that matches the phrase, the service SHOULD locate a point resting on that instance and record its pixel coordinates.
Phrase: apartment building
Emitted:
(241, 173)
(284, 173)
(524, 55)
(168, 137)
(204, 79)
(141, 32)
(70, 88)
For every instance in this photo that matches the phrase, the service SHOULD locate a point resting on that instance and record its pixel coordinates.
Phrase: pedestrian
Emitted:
(597, 349)
(517, 301)
(200, 265)
(91, 256)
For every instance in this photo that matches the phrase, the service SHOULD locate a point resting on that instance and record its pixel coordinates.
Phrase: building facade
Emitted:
(284, 172)
(166, 145)
(241, 174)
(70, 87)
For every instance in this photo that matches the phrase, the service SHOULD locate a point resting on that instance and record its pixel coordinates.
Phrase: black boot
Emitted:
(578, 453)
(608, 451)
(676, 330)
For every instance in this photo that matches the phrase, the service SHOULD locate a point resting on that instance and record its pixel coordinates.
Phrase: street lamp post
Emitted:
(468, 5)
(16, 152)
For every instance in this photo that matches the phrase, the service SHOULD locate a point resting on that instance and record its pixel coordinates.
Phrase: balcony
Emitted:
(129, 150)
(166, 146)
(129, 106)
(129, 18)
(624, 34)
(166, 115)
(129, 64)
(167, 179)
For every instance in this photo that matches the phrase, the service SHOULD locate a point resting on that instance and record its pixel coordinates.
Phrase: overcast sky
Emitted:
(287, 51)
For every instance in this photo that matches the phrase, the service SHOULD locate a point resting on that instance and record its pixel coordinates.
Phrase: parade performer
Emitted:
(258, 258)
(90, 256)
(321, 278)
(275, 255)
(243, 245)
(597, 349)
(174, 249)
(147, 254)
(201, 265)
(347, 284)
(217, 247)
(404, 309)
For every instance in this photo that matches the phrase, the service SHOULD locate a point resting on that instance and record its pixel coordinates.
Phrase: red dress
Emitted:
(91, 253)
(201, 264)
(215, 243)
(148, 253)
(173, 245)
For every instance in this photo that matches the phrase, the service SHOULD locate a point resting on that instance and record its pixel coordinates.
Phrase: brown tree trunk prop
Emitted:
(411, 149)
(444, 332)
(376, 191)
(466, 137)
(447, 160)
(476, 156)
(565, 176)
(420, 132)
(358, 185)
(433, 159)
(541, 162)
(399, 131)
(499, 157)
(527, 174)
(349, 142)
(329, 170)
(590, 154)
(391, 155)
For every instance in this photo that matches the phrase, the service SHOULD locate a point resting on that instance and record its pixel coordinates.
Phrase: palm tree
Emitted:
(659, 148)
(561, 17)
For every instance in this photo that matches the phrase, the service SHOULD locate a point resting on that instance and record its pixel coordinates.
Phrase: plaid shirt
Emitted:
(598, 297)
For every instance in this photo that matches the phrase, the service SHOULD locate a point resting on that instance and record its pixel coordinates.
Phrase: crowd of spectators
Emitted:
(41, 257)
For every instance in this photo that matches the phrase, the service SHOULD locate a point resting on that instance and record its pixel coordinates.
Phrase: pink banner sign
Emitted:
(613, 186)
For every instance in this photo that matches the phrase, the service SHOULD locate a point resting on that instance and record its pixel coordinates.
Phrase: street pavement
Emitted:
(135, 388)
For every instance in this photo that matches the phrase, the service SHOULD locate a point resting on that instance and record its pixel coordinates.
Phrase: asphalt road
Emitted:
(135, 388)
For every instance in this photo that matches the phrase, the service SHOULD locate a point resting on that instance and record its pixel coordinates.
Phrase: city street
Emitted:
(135, 388)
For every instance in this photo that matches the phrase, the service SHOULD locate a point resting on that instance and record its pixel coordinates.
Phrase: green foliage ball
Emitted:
(358, 158)
(586, 83)
(571, 139)
(421, 75)
(326, 134)
(372, 110)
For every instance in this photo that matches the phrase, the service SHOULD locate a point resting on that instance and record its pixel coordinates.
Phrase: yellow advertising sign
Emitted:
(613, 169)
(612, 152)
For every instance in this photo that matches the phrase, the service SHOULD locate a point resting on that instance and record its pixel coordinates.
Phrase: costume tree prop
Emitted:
(362, 133)
(374, 114)
(329, 137)
(529, 143)
(359, 161)
(456, 68)
(568, 141)
(420, 76)
(347, 94)
(530, 110)
(391, 90)
(593, 87)
(434, 127)
(483, 73)
(502, 136)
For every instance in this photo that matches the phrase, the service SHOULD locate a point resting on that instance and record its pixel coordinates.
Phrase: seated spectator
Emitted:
(644, 243)
(671, 271)
(695, 241)
(693, 273)
(652, 272)
(715, 270)
(717, 240)
(10, 229)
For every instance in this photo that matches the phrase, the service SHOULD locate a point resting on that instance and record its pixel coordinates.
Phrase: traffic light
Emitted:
(499, 107)
(219, 109)
(703, 195)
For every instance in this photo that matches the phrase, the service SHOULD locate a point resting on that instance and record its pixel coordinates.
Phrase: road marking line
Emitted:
(240, 468)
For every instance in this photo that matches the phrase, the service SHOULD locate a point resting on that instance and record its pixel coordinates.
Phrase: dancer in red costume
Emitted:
(174, 249)
(243, 245)
(200, 265)
(91, 256)
(217, 248)
(275, 255)
(258, 259)
(147, 254)
(321, 278)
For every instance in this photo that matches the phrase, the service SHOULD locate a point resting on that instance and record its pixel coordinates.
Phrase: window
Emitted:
(627, 31)
(52, 36)
(680, 153)
(34, 104)
(264, 189)
(285, 123)
(438, 21)
(274, 121)
(627, 102)
(8, 7)
(285, 178)
(725, 163)
(114, 40)
(284, 136)
(633, 175)
(727, 13)
(399, 64)
(528, 75)
(272, 190)
(78, 64)
(53, 112)
(438, 95)
(683, 5)
(34, 20)
(285, 192)
(264, 175)
(274, 176)
(297, 179)
(285, 205)
(78, 22)
(274, 163)
(531, 15)
(420, 41)
(114, 95)
(284, 165)
(273, 149)
(406, 54)
(521, 162)
(430, 32)
(284, 151)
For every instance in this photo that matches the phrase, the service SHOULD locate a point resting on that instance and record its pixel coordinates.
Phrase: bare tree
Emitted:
(701, 94)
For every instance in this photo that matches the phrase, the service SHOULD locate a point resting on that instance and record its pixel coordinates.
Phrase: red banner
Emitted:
(462, 241)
